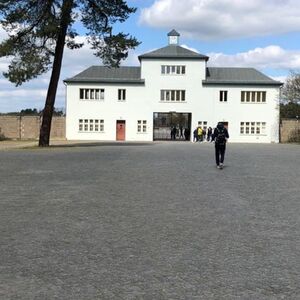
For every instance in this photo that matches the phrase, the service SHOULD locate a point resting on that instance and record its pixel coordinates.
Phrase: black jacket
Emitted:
(219, 128)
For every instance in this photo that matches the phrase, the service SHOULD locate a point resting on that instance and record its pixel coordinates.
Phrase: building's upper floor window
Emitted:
(253, 97)
(172, 70)
(121, 94)
(172, 95)
(141, 126)
(91, 94)
(223, 96)
(91, 125)
(252, 128)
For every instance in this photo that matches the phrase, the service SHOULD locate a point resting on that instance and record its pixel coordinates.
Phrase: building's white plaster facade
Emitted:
(143, 100)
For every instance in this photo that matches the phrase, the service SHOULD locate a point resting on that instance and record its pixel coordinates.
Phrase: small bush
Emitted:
(2, 137)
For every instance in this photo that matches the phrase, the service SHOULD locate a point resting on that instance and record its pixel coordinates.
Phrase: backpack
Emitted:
(220, 138)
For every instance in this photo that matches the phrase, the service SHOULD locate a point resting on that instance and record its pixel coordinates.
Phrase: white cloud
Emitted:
(272, 56)
(190, 48)
(221, 19)
(279, 78)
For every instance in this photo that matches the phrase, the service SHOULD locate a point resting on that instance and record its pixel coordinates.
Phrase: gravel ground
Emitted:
(150, 221)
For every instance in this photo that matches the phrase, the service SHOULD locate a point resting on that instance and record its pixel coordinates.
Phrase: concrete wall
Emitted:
(28, 127)
(287, 127)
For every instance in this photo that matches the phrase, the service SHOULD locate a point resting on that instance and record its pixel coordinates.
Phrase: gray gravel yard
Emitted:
(150, 221)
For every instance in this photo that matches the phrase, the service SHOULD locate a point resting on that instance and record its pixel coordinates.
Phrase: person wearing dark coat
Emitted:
(209, 134)
(220, 136)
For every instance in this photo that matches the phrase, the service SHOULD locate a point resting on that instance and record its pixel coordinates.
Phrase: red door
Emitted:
(120, 130)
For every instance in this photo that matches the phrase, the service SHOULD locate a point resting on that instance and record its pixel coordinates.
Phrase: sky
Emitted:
(234, 33)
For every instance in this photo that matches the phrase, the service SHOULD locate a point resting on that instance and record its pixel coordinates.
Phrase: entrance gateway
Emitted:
(164, 123)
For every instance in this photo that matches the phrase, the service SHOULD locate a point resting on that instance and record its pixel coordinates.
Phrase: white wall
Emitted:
(142, 100)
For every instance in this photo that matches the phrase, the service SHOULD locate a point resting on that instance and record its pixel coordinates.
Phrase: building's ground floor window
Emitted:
(252, 128)
(91, 125)
(202, 124)
(141, 126)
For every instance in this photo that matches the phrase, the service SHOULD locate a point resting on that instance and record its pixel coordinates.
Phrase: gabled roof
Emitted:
(237, 76)
(173, 52)
(173, 33)
(103, 74)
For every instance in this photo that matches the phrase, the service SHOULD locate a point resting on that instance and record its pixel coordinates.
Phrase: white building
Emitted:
(173, 86)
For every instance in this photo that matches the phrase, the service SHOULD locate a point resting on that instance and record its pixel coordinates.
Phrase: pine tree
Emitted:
(39, 30)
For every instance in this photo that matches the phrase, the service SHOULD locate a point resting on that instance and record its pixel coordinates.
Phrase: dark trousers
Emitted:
(220, 153)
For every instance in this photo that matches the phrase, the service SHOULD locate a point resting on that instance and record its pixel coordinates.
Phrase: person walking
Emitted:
(200, 132)
(209, 134)
(195, 135)
(220, 136)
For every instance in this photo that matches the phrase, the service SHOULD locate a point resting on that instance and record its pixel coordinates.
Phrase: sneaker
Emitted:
(218, 167)
(221, 166)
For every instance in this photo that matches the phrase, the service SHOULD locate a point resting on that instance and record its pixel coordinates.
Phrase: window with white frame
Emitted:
(202, 124)
(172, 70)
(121, 94)
(91, 125)
(91, 94)
(223, 96)
(172, 95)
(141, 126)
(253, 96)
(252, 128)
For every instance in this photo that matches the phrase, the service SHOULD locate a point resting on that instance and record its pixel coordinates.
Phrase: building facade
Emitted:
(172, 87)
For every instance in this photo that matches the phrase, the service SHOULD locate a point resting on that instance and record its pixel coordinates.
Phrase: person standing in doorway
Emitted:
(220, 136)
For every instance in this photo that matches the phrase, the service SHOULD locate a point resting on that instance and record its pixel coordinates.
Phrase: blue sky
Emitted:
(236, 33)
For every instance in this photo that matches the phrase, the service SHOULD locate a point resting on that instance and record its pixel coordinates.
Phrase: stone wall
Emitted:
(28, 127)
(287, 128)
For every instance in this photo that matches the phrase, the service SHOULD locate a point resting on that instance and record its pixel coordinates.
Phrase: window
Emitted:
(223, 96)
(91, 94)
(141, 126)
(121, 95)
(202, 124)
(252, 128)
(253, 97)
(173, 70)
(172, 95)
(91, 125)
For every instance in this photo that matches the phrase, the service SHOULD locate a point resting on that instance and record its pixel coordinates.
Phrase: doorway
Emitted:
(172, 126)
(121, 125)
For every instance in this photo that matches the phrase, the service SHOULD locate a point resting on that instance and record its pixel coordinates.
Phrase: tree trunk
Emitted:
(56, 68)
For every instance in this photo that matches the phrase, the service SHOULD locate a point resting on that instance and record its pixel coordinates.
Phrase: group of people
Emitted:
(219, 135)
(180, 132)
(201, 135)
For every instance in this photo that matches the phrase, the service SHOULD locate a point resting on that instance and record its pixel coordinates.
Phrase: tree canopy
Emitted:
(38, 31)
(291, 89)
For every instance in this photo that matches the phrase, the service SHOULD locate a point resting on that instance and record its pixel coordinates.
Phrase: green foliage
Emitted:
(29, 111)
(290, 110)
(34, 28)
(40, 29)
